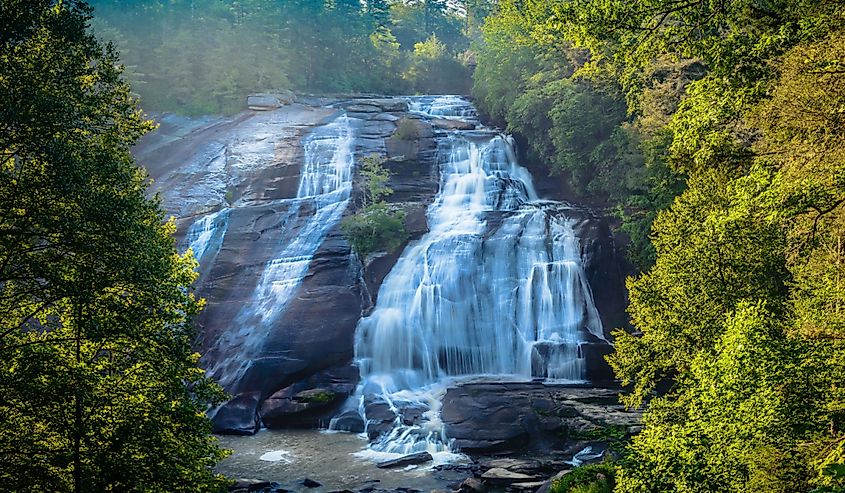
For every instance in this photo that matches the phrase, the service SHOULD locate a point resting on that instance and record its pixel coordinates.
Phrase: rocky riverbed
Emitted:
(516, 436)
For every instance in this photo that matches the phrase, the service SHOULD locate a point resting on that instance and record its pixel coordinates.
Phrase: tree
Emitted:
(99, 386)
(375, 227)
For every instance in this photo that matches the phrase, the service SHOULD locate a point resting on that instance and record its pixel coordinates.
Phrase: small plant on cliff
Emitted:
(376, 226)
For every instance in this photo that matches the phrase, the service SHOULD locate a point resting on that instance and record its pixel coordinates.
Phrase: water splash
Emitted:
(496, 287)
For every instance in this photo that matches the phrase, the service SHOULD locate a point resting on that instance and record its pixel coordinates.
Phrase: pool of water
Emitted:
(289, 456)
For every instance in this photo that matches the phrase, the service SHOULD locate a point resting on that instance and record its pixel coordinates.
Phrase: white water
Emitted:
(496, 287)
(323, 195)
(205, 236)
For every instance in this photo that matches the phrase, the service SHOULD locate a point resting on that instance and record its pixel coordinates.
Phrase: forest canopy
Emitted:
(715, 129)
(204, 56)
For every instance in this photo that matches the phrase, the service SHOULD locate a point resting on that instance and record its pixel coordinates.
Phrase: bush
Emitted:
(375, 228)
(597, 478)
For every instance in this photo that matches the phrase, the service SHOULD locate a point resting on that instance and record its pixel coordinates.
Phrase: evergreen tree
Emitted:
(99, 386)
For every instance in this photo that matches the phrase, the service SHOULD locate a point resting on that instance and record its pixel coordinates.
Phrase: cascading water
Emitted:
(323, 195)
(496, 287)
(205, 236)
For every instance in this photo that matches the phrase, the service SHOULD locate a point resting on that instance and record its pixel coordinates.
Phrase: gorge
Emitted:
(483, 333)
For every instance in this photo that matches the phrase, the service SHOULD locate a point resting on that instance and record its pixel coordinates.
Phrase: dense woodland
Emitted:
(203, 56)
(715, 132)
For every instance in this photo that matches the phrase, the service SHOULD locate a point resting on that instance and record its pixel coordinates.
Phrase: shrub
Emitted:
(375, 228)
(597, 478)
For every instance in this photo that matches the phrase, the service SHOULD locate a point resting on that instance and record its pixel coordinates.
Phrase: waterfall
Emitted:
(496, 287)
(205, 236)
(322, 197)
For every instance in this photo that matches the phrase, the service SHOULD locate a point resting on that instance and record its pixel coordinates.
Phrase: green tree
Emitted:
(376, 226)
(99, 386)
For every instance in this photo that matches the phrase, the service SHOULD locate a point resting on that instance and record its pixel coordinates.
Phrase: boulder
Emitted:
(310, 483)
(386, 117)
(472, 485)
(349, 421)
(363, 108)
(243, 485)
(503, 476)
(509, 417)
(380, 418)
(386, 104)
(237, 416)
(448, 124)
(269, 101)
(309, 403)
(407, 460)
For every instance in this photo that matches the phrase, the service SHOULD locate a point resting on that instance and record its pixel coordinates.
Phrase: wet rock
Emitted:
(309, 403)
(269, 101)
(447, 124)
(407, 460)
(349, 421)
(495, 417)
(386, 104)
(238, 416)
(363, 108)
(547, 485)
(526, 486)
(525, 466)
(310, 483)
(380, 418)
(387, 117)
(377, 129)
(252, 485)
(472, 485)
(503, 476)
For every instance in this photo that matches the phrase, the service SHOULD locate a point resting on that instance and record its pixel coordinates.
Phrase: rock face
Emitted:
(408, 460)
(232, 181)
(497, 417)
(269, 101)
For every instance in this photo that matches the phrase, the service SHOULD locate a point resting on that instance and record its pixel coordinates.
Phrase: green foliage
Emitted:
(434, 69)
(576, 126)
(597, 478)
(376, 227)
(731, 142)
(206, 56)
(99, 385)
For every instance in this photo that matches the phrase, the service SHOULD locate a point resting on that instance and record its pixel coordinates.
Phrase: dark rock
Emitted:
(349, 421)
(310, 483)
(407, 460)
(598, 370)
(237, 417)
(309, 403)
(387, 117)
(250, 485)
(526, 486)
(496, 417)
(472, 485)
(380, 418)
